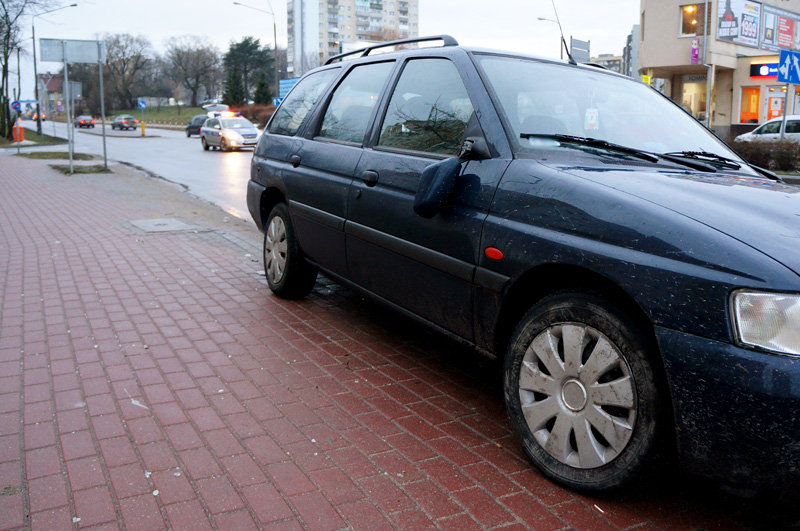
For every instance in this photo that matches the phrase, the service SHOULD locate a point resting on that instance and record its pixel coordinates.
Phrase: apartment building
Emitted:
(721, 57)
(318, 29)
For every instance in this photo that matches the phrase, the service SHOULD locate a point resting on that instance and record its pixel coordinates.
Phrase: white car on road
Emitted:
(771, 131)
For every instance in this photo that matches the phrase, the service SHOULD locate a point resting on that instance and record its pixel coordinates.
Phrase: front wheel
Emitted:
(223, 145)
(188, 134)
(203, 141)
(581, 392)
(288, 274)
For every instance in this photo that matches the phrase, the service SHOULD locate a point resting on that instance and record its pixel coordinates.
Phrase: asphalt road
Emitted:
(218, 177)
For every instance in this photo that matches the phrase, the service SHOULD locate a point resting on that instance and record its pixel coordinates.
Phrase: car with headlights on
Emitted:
(640, 284)
(124, 122)
(83, 120)
(228, 131)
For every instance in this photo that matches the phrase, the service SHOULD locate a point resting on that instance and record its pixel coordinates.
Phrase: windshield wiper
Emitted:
(594, 142)
(646, 155)
(707, 157)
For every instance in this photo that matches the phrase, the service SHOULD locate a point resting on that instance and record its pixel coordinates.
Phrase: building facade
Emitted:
(318, 29)
(721, 57)
(630, 54)
(609, 61)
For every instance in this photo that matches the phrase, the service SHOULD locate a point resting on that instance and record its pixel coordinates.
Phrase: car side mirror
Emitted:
(436, 185)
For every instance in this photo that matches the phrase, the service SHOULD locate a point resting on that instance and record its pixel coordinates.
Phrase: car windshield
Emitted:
(236, 123)
(549, 99)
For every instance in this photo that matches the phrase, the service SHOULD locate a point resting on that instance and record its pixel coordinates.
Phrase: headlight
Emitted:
(233, 135)
(768, 320)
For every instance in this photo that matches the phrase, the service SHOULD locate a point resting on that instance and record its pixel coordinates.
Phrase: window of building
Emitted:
(690, 19)
(350, 108)
(748, 113)
(429, 109)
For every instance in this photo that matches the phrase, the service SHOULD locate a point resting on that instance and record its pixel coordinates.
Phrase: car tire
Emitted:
(223, 145)
(205, 144)
(188, 134)
(582, 394)
(289, 275)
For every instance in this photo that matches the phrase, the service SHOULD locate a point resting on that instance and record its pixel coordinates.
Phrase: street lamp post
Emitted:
(274, 38)
(35, 73)
(561, 43)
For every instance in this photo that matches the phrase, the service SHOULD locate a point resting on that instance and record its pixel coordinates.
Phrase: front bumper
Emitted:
(737, 411)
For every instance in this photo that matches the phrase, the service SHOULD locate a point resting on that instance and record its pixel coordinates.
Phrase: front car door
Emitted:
(425, 266)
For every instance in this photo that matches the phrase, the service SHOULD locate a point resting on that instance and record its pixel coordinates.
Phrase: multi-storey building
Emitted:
(726, 63)
(610, 61)
(318, 29)
(630, 55)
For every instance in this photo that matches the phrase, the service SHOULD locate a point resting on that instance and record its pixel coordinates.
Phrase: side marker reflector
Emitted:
(494, 253)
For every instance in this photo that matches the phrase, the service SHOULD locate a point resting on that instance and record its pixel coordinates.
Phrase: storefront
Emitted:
(739, 56)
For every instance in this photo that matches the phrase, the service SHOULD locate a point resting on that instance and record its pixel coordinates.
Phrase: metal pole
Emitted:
(102, 101)
(36, 80)
(275, 56)
(69, 96)
(709, 68)
(785, 108)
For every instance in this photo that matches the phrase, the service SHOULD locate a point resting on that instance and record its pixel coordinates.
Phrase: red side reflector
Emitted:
(494, 253)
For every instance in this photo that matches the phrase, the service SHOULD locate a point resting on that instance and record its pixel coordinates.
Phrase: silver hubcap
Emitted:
(275, 249)
(577, 395)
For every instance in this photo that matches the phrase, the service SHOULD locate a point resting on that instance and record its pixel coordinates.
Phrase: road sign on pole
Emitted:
(789, 67)
(16, 105)
(142, 104)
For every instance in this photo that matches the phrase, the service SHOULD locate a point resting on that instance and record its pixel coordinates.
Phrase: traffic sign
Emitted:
(789, 69)
(16, 105)
(276, 101)
(142, 104)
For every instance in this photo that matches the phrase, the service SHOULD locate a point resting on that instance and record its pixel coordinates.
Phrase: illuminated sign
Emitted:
(764, 70)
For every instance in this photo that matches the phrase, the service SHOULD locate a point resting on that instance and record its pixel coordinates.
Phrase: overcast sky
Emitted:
(500, 24)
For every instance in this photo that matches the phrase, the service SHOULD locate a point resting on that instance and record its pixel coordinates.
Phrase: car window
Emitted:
(211, 123)
(793, 126)
(236, 123)
(429, 109)
(351, 105)
(768, 128)
(290, 115)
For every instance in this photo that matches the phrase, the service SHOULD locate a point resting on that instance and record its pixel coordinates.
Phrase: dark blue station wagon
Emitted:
(638, 279)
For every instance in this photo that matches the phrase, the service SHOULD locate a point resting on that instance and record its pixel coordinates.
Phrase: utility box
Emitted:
(18, 133)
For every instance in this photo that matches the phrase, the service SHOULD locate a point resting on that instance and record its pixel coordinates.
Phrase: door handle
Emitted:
(370, 178)
(295, 160)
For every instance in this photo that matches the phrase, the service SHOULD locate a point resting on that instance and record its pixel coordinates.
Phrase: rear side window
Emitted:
(349, 111)
(772, 127)
(429, 109)
(793, 126)
(295, 107)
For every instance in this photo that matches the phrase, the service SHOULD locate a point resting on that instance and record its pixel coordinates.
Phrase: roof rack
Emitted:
(447, 40)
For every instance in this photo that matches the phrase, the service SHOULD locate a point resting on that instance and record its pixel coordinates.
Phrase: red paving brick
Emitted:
(151, 381)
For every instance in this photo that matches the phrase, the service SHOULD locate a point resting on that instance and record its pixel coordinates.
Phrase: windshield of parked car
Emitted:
(236, 123)
(550, 99)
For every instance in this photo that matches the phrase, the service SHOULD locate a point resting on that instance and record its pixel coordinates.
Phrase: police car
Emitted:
(228, 131)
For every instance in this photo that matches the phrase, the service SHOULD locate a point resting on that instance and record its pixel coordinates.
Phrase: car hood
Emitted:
(761, 213)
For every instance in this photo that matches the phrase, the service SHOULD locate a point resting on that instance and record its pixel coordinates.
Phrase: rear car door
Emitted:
(425, 266)
(324, 162)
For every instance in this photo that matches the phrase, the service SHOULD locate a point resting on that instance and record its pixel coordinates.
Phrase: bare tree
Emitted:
(127, 58)
(191, 62)
(10, 13)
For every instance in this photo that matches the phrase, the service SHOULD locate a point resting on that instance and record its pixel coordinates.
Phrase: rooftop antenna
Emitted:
(563, 40)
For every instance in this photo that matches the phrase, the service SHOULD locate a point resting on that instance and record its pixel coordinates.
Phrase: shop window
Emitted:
(749, 107)
(691, 23)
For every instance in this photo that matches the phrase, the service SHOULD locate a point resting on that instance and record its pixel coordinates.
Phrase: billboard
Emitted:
(77, 51)
(780, 29)
(738, 21)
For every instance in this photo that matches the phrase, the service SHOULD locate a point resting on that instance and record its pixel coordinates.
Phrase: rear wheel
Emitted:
(288, 274)
(188, 134)
(581, 392)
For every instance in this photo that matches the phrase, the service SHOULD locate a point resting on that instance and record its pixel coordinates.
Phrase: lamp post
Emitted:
(561, 43)
(35, 74)
(274, 38)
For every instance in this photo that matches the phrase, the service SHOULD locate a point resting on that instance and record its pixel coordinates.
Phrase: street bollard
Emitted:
(142, 127)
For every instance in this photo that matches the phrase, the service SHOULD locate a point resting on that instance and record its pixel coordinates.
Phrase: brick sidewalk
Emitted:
(151, 381)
